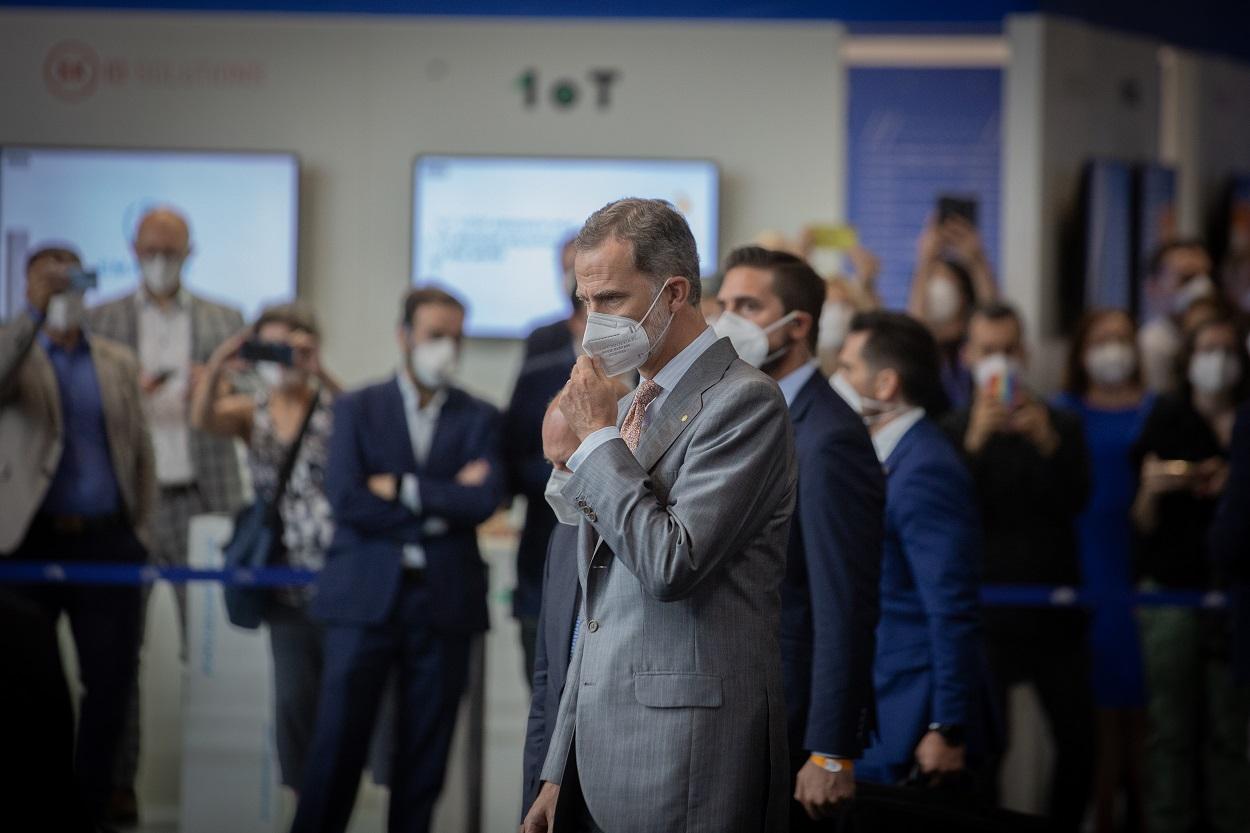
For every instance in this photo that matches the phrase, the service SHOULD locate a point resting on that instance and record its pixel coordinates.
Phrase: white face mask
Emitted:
(995, 366)
(943, 301)
(1214, 372)
(750, 339)
(270, 374)
(870, 410)
(65, 312)
(1194, 289)
(434, 363)
(161, 275)
(835, 321)
(566, 513)
(620, 342)
(1111, 363)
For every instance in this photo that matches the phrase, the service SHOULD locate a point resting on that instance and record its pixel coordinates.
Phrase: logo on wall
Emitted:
(73, 71)
(568, 93)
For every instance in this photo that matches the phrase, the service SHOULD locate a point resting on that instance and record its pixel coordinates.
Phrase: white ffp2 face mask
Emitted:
(65, 312)
(749, 338)
(161, 275)
(434, 363)
(620, 342)
(566, 513)
(1112, 363)
(1214, 372)
(870, 410)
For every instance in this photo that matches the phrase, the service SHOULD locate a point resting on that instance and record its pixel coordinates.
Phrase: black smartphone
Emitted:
(951, 205)
(267, 351)
(80, 280)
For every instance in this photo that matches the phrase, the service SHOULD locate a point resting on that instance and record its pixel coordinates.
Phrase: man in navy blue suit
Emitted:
(561, 596)
(550, 352)
(413, 469)
(929, 664)
(772, 303)
(1229, 543)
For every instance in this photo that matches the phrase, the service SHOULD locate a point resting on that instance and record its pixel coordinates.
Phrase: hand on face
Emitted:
(47, 277)
(589, 398)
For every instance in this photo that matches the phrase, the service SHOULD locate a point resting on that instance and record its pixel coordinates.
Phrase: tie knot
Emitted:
(647, 392)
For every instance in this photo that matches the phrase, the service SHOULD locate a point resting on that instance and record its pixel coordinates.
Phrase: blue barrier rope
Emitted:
(42, 572)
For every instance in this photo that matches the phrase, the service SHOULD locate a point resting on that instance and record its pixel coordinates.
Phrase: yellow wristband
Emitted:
(833, 764)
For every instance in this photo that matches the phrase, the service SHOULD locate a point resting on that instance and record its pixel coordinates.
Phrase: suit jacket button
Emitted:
(592, 516)
(592, 625)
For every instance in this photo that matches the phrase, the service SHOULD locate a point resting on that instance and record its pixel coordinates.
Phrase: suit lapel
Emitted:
(684, 403)
(805, 397)
(130, 321)
(445, 426)
(47, 384)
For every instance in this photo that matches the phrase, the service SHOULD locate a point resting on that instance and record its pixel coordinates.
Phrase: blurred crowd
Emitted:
(952, 472)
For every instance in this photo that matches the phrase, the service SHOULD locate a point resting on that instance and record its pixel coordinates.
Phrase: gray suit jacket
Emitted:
(214, 458)
(673, 704)
(31, 425)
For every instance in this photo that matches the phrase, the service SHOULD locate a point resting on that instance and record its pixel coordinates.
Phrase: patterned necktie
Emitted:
(631, 428)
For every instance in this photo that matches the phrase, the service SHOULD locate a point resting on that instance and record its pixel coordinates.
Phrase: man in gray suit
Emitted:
(672, 717)
(173, 332)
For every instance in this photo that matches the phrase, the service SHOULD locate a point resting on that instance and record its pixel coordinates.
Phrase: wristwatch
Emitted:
(952, 733)
(831, 764)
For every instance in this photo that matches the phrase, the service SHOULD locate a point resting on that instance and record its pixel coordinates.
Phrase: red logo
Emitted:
(71, 70)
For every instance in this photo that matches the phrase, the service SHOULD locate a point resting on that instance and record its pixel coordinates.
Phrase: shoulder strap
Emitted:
(288, 465)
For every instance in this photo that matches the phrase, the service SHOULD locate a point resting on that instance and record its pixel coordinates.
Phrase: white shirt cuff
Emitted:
(590, 444)
(410, 494)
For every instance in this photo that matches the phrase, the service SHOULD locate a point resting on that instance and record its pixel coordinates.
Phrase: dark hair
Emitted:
(795, 283)
(61, 251)
(664, 246)
(999, 311)
(297, 315)
(1242, 390)
(898, 342)
(1075, 376)
(419, 296)
(1162, 251)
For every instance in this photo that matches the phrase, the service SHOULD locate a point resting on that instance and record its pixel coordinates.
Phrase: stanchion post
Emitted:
(475, 759)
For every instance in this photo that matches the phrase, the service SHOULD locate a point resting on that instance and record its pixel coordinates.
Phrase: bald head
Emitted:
(163, 231)
(559, 441)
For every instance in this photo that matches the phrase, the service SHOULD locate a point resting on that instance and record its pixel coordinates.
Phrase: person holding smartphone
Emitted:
(1196, 742)
(1029, 463)
(283, 348)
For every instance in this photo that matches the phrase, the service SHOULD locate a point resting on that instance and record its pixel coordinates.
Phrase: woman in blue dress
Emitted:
(1104, 386)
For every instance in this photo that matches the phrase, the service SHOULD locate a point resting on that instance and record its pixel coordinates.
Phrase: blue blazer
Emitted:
(1229, 542)
(541, 378)
(364, 562)
(551, 657)
(833, 576)
(929, 663)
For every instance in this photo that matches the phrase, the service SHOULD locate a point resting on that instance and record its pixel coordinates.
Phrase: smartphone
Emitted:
(80, 280)
(953, 205)
(267, 351)
(840, 237)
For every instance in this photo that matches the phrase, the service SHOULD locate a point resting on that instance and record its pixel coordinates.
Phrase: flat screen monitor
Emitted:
(489, 228)
(242, 208)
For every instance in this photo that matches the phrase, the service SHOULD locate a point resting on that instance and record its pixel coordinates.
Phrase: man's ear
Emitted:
(801, 325)
(682, 289)
(887, 384)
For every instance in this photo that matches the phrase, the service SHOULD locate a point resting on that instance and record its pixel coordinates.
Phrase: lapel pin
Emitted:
(685, 417)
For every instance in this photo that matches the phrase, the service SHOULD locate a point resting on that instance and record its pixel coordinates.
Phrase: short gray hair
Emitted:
(664, 247)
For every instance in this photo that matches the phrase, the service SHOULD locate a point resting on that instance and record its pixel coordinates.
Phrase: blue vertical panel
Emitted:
(1155, 215)
(1108, 235)
(916, 133)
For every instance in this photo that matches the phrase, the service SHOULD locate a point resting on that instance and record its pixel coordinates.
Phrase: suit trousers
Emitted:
(104, 621)
(430, 672)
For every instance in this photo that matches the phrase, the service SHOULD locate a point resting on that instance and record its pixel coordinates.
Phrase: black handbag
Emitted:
(257, 533)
